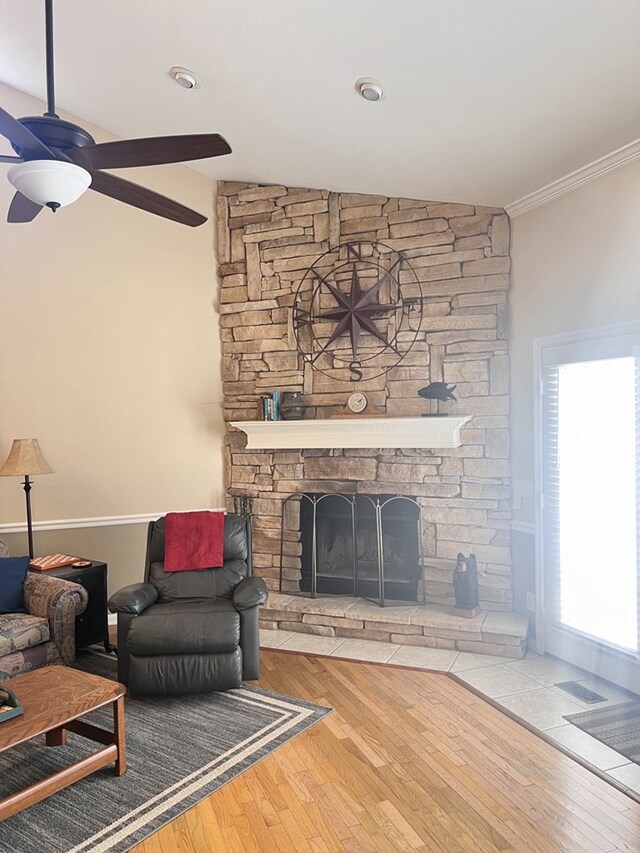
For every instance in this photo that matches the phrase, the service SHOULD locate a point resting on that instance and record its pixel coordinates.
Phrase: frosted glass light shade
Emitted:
(52, 183)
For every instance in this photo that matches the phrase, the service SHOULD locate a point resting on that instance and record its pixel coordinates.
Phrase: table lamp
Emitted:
(26, 459)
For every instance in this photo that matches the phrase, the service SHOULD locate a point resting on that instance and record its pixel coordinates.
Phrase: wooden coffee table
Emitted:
(53, 698)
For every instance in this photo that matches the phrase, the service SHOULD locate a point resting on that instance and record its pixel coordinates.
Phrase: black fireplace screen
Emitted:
(360, 545)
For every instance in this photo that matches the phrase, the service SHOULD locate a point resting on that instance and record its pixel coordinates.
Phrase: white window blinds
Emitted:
(591, 484)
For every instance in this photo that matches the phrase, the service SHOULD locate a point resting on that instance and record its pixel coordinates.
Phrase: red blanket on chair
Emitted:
(193, 540)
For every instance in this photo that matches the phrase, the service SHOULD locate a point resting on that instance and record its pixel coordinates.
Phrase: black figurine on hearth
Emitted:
(465, 586)
(440, 392)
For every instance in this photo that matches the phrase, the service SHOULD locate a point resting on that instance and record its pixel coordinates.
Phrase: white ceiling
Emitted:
(485, 100)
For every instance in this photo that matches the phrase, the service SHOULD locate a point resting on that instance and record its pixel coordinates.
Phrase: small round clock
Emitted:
(357, 403)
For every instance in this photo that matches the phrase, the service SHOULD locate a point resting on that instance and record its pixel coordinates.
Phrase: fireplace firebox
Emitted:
(361, 545)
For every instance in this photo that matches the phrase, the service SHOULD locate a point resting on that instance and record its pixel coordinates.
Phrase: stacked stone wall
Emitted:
(268, 236)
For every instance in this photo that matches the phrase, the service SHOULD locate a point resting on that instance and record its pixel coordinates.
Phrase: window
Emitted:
(590, 484)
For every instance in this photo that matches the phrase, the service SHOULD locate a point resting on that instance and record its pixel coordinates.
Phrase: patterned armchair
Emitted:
(46, 633)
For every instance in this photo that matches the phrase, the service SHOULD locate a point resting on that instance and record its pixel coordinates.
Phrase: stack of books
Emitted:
(271, 407)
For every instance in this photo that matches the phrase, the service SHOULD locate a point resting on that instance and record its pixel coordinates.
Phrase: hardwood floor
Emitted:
(408, 761)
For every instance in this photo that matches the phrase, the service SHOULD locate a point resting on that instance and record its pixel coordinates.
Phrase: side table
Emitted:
(92, 625)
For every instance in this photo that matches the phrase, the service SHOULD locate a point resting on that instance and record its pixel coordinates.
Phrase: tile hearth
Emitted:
(427, 626)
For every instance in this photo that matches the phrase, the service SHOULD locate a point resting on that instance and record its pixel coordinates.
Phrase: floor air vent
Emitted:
(581, 692)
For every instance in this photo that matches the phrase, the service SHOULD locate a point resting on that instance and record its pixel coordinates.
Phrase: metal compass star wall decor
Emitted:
(357, 311)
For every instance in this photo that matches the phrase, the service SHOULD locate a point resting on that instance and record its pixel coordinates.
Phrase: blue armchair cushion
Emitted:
(13, 571)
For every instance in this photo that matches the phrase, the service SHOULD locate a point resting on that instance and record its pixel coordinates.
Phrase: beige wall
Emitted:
(109, 355)
(122, 547)
(576, 265)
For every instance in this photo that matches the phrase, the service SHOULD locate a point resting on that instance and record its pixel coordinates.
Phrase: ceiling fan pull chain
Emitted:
(51, 95)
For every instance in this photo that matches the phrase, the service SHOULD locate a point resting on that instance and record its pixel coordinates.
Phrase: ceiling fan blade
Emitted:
(154, 151)
(22, 138)
(22, 209)
(145, 199)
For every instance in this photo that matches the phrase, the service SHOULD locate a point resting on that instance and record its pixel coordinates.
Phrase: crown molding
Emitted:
(585, 175)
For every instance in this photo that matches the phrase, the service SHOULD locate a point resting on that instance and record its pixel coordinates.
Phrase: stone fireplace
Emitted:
(268, 238)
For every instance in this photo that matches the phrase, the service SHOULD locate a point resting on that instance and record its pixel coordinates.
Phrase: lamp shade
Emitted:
(25, 457)
(51, 183)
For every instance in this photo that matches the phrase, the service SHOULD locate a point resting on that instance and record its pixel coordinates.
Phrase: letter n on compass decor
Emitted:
(357, 311)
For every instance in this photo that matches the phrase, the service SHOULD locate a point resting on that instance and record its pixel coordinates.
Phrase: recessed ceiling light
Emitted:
(185, 78)
(369, 89)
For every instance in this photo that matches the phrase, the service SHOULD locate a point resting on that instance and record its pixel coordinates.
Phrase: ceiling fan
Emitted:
(57, 161)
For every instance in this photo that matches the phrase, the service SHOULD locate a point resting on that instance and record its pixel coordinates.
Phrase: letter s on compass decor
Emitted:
(357, 311)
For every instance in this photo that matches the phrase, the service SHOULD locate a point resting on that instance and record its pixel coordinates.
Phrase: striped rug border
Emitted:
(292, 714)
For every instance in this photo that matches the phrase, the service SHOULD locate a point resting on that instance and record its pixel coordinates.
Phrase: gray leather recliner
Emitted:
(193, 631)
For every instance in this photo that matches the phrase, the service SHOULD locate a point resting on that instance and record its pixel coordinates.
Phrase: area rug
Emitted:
(179, 751)
(617, 726)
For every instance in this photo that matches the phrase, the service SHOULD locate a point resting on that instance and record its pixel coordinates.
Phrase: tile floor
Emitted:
(525, 687)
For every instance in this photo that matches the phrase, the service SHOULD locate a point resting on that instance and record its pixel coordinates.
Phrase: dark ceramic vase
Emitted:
(291, 407)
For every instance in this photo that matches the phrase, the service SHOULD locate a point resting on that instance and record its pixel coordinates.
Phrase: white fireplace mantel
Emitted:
(353, 432)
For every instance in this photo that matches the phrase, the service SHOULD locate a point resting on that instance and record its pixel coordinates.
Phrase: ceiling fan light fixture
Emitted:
(50, 183)
(62, 160)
